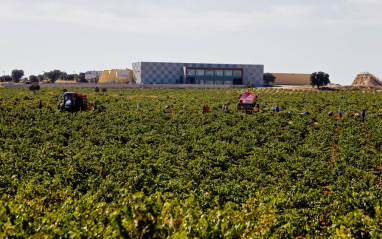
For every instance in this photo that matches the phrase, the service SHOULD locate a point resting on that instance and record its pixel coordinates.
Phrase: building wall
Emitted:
(131, 75)
(116, 75)
(122, 73)
(93, 74)
(112, 75)
(104, 76)
(173, 73)
(291, 79)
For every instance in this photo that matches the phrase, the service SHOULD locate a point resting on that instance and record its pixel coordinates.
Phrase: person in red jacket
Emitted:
(207, 109)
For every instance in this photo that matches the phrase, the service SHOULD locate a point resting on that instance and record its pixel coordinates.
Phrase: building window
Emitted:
(209, 73)
(190, 72)
(219, 72)
(227, 73)
(200, 72)
(237, 73)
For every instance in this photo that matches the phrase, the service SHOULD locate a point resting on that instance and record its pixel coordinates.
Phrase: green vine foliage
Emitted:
(123, 171)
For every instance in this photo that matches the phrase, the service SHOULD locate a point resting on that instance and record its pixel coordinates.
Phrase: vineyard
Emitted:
(126, 172)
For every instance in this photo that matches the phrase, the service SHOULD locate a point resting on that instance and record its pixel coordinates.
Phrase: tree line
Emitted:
(316, 79)
(51, 76)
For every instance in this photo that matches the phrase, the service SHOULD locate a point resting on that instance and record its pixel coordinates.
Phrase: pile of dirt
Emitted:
(366, 80)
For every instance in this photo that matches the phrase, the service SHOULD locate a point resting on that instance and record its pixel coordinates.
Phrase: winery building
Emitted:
(197, 73)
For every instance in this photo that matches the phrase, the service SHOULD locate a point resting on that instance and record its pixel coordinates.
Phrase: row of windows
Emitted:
(193, 72)
(212, 82)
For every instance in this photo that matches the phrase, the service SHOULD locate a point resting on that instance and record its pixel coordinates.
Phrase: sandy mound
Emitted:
(366, 80)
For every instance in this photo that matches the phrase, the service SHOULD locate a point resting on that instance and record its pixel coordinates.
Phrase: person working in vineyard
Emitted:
(139, 105)
(363, 116)
(277, 109)
(207, 109)
(256, 108)
(340, 112)
(62, 106)
(203, 109)
(225, 107)
(39, 104)
(168, 108)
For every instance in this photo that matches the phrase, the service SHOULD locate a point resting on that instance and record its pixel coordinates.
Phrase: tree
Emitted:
(269, 78)
(40, 77)
(70, 77)
(33, 78)
(17, 75)
(5, 78)
(53, 75)
(64, 76)
(319, 79)
(81, 78)
(34, 86)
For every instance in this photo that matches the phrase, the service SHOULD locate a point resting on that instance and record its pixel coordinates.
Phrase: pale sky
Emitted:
(340, 37)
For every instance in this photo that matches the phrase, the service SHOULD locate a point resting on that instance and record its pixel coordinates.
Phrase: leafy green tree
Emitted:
(319, 79)
(17, 75)
(70, 77)
(33, 78)
(64, 76)
(53, 75)
(34, 86)
(40, 77)
(81, 78)
(6, 78)
(269, 78)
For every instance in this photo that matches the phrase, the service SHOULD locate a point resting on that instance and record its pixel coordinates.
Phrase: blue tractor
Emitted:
(72, 102)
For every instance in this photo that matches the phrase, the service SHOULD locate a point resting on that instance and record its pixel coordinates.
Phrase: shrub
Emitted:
(34, 86)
